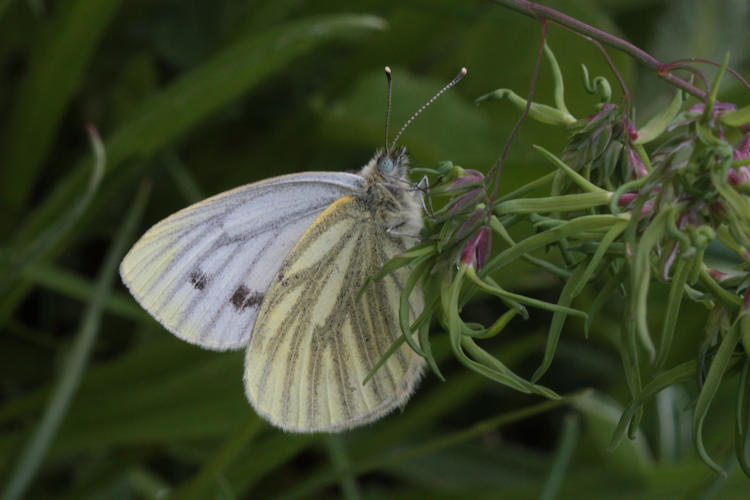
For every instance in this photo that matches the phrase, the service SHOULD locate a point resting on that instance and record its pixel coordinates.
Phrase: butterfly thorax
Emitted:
(393, 201)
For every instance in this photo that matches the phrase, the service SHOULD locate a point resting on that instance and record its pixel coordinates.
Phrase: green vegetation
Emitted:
(192, 98)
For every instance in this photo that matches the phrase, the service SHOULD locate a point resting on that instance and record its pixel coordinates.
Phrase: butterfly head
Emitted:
(393, 163)
(387, 166)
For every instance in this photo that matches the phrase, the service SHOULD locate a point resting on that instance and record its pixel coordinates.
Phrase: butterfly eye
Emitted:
(385, 164)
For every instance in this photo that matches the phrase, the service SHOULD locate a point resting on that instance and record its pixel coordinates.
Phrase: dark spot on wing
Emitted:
(281, 278)
(242, 298)
(198, 279)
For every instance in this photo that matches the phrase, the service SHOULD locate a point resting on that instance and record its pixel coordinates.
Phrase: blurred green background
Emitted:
(193, 98)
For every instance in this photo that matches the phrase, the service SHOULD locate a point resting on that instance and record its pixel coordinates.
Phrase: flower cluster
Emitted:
(621, 216)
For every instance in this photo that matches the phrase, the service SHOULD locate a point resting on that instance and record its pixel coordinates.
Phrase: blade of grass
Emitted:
(33, 453)
(56, 68)
(322, 480)
(571, 434)
(183, 179)
(19, 257)
(213, 468)
(341, 462)
(73, 286)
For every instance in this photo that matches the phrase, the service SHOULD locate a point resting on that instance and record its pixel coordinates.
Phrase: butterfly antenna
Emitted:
(388, 107)
(457, 79)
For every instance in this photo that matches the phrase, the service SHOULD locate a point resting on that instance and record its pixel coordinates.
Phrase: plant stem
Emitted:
(542, 13)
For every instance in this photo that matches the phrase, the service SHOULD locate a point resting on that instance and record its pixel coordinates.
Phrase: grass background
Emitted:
(192, 98)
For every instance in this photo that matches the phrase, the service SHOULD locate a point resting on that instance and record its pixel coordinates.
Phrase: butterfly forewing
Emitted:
(315, 341)
(203, 272)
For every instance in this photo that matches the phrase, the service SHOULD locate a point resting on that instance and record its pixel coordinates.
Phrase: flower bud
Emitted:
(742, 149)
(477, 249)
(637, 168)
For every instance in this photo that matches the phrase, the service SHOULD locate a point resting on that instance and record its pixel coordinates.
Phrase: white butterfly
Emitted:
(276, 267)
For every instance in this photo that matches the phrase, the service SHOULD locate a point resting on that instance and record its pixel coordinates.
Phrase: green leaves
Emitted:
(72, 371)
(719, 365)
(58, 63)
(620, 217)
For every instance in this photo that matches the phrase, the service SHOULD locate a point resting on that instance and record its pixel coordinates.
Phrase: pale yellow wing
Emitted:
(314, 342)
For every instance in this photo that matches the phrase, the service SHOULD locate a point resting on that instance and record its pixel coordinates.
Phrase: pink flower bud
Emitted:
(737, 176)
(632, 132)
(626, 199)
(471, 176)
(469, 199)
(742, 150)
(477, 249)
(637, 168)
(717, 275)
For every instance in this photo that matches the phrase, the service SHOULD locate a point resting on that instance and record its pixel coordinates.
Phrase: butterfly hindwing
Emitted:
(203, 272)
(315, 341)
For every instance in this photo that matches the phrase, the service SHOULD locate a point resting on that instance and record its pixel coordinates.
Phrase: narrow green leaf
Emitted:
(676, 291)
(21, 256)
(564, 203)
(33, 453)
(339, 458)
(529, 187)
(714, 89)
(322, 479)
(581, 181)
(606, 292)
(559, 87)
(568, 229)
(499, 324)
(539, 112)
(656, 126)
(183, 179)
(745, 333)
(502, 373)
(212, 469)
(736, 118)
(426, 345)
(742, 418)
(558, 320)
(569, 438)
(629, 354)
(676, 375)
(730, 299)
(79, 288)
(641, 276)
(494, 289)
(720, 363)
(404, 310)
(601, 249)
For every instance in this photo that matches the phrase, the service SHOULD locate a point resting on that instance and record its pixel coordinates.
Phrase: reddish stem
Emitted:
(542, 13)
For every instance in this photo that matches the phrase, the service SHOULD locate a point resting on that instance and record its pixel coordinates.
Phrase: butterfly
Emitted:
(277, 267)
